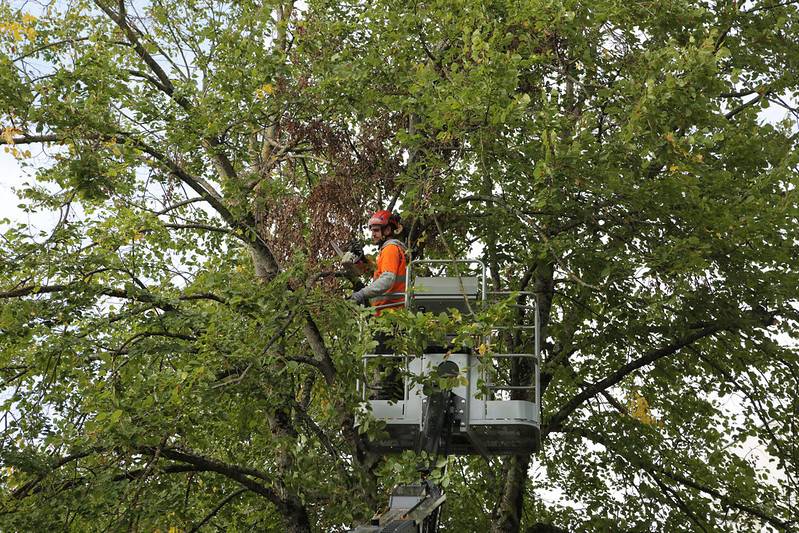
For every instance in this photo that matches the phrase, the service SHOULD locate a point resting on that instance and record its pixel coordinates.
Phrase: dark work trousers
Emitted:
(387, 384)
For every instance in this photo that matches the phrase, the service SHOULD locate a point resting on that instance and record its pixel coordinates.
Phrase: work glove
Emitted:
(350, 258)
(359, 297)
(354, 253)
(355, 247)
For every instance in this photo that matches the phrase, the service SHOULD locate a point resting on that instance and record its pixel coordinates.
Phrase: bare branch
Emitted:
(249, 233)
(164, 83)
(198, 184)
(47, 46)
(202, 296)
(120, 19)
(678, 501)
(145, 76)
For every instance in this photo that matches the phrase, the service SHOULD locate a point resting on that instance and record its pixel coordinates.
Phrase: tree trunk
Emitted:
(265, 267)
(509, 514)
(296, 517)
(511, 504)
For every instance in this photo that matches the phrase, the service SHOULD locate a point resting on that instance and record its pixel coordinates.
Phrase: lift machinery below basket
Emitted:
(483, 416)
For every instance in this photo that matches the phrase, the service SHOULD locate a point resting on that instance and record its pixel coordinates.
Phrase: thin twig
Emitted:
(216, 509)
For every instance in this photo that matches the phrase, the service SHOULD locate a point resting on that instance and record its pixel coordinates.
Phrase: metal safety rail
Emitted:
(491, 416)
(535, 356)
(443, 294)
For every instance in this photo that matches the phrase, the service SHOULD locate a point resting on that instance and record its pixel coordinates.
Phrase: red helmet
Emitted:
(383, 218)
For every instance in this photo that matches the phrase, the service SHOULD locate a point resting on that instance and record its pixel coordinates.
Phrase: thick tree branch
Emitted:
(168, 469)
(317, 343)
(247, 227)
(675, 497)
(198, 184)
(203, 227)
(650, 357)
(164, 83)
(511, 504)
(649, 467)
(145, 76)
(146, 334)
(202, 296)
(770, 6)
(230, 497)
(746, 105)
(242, 475)
(5, 383)
(31, 139)
(177, 205)
(33, 289)
(288, 507)
(120, 19)
(201, 186)
(49, 45)
(130, 475)
(145, 297)
(25, 489)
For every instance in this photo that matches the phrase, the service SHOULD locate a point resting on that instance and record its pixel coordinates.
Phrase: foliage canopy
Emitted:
(174, 353)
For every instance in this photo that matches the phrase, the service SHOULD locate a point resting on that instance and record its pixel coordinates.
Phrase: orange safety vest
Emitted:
(391, 259)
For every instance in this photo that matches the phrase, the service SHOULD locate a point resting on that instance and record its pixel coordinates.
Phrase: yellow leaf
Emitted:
(8, 134)
(13, 29)
(264, 90)
(483, 349)
(639, 409)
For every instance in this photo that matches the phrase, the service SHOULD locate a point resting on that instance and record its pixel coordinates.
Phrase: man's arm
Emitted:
(382, 284)
(378, 286)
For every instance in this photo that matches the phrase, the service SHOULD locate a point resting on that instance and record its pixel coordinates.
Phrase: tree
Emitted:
(176, 352)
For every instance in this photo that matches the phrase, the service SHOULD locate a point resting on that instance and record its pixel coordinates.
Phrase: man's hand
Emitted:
(359, 298)
(350, 258)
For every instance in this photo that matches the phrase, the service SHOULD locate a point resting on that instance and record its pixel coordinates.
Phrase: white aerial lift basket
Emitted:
(490, 411)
